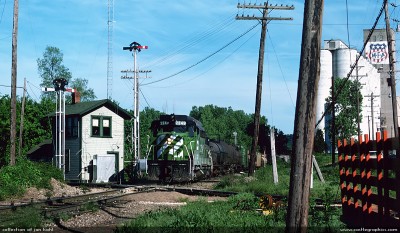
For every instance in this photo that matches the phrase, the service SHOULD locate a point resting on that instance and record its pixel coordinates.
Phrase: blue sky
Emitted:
(179, 35)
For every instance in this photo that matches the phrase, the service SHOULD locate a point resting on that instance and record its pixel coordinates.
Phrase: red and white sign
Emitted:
(377, 52)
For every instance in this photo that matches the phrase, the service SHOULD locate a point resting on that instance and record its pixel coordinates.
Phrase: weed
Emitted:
(49, 194)
(22, 218)
(85, 189)
(90, 206)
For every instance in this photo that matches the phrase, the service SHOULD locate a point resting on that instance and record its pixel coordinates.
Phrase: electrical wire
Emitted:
(2, 12)
(215, 65)
(355, 64)
(204, 59)
(280, 68)
(214, 30)
(144, 97)
(347, 30)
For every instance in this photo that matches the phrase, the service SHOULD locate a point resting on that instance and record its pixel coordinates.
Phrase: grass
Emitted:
(262, 182)
(22, 218)
(235, 215)
(14, 180)
(239, 214)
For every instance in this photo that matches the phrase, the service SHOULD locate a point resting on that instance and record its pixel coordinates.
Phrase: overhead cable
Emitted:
(204, 59)
(355, 63)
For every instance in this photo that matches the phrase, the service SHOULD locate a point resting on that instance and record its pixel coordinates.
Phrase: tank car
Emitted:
(179, 150)
(226, 158)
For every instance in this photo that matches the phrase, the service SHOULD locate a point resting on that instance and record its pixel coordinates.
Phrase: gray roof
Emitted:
(83, 108)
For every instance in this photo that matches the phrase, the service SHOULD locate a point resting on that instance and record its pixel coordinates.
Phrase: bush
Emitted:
(14, 180)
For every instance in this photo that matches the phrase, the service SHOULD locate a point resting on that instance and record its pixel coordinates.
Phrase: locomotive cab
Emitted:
(178, 150)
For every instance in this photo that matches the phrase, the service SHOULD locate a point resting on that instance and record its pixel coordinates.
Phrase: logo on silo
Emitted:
(377, 52)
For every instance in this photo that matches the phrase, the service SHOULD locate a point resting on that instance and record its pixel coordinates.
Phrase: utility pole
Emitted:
(304, 125)
(371, 96)
(393, 89)
(135, 47)
(333, 126)
(13, 126)
(358, 77)
(263, 19)
(21, 127)
(392, 81)
(110, 48)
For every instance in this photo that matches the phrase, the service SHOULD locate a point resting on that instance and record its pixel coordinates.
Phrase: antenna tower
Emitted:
(110, 48)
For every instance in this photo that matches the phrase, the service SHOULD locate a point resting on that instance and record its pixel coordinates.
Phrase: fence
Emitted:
(369, 182)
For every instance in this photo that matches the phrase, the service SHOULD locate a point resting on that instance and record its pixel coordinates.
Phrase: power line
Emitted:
(280, 68)
(204, 59)
(215, 65)
(353, 66)
(214, 30)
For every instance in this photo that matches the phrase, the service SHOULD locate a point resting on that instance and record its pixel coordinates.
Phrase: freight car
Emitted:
(180, 151)
(226, 158)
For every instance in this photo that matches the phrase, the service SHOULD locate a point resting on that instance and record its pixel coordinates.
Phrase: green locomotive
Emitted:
(179, 150)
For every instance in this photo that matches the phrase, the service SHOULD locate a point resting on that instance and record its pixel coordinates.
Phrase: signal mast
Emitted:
(135, 47)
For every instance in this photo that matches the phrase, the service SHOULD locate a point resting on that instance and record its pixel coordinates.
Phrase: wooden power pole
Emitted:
(392, 76)
(263, 19)
(393, 88)
(13, 126)
(303, 135)
(21, 127)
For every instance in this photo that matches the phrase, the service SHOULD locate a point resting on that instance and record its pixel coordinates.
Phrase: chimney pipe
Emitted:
(76, 97)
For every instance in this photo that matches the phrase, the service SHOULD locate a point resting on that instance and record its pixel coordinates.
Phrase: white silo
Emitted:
(343, 59)
(324, 86)
(369, 77)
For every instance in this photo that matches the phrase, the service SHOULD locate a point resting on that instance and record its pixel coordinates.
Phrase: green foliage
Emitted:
(220, 123)
(200, 216)
(15, 179)
(319, 142)
(324, 217)
(36, 125)
(238, 214)
(81, 85)
(244, 201)
(90, 206)
(261, 183)
(346, 94)
(51, 67)
(22, 218)
(5, 103)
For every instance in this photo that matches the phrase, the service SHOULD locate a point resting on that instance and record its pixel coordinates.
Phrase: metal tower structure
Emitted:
(110, 48)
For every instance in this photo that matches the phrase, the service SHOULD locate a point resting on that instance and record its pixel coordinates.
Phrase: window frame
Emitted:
(72, 127)
(101, 126)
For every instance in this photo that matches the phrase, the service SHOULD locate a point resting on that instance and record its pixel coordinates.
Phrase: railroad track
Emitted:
(56, 207)
(75, 204)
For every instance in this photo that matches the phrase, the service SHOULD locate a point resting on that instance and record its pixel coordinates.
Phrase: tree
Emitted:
(319, 142)
(346, 111)
(37, 126)
(221, 123)
(81, 85)
(51, 67)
